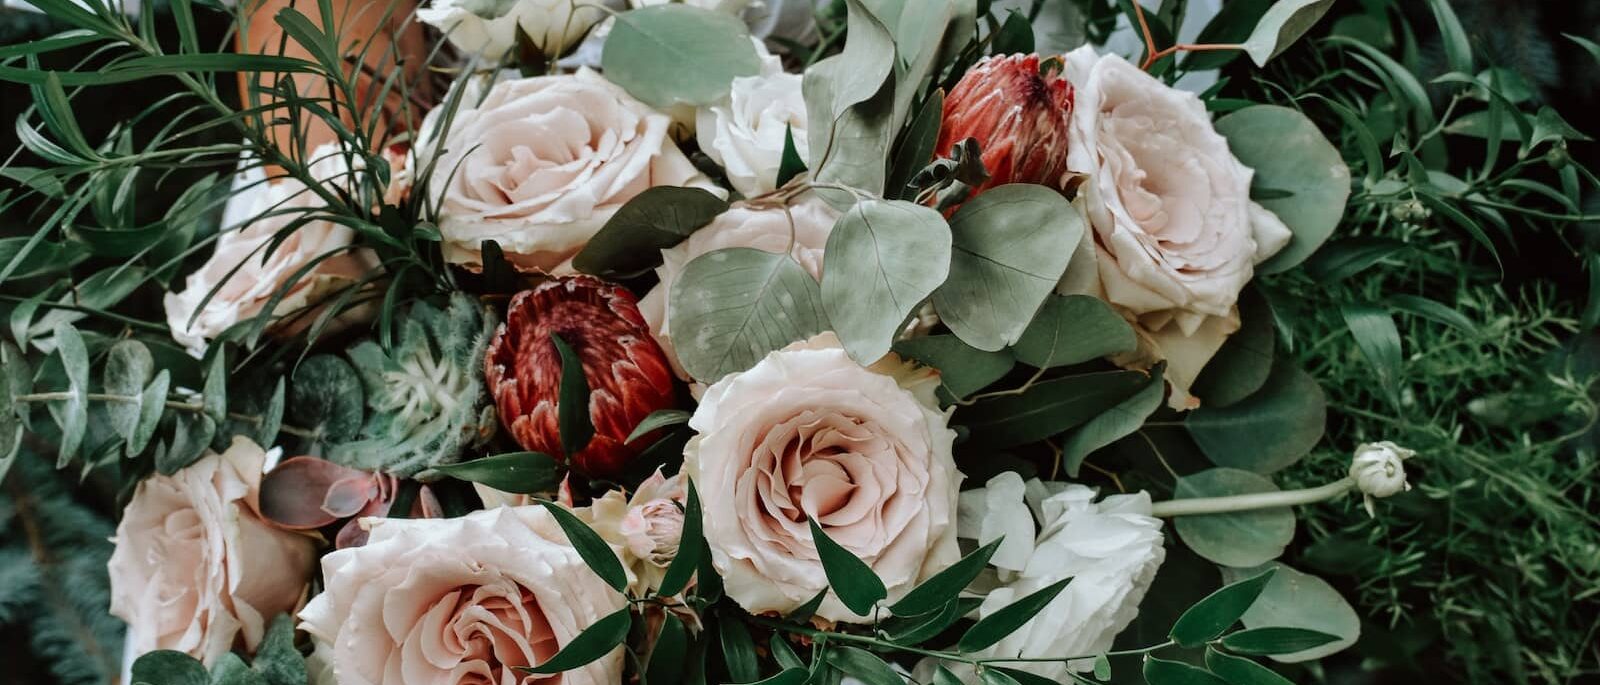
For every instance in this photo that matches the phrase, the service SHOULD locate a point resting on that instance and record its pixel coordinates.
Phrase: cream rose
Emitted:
(803, 229)
(254, 217)
(808, 434)
(746, 133)
(195, 568)
(488, 28)
(1176, 236)
(542, 163)
(459, 601)
(1111, 549)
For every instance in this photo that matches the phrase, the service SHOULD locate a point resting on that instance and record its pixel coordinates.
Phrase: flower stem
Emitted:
(824, 635)
(1257, 500)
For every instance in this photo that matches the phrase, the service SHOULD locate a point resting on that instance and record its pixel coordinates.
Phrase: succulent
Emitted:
(425, 396)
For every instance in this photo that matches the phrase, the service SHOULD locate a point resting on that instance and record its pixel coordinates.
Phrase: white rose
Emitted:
(803, 229)
(266, 208)
(196, 567)
(489, 27)
(746, 133)
(808, 434)
(542, 163)
(1176, 234)
(459, 601)
(1111, 550)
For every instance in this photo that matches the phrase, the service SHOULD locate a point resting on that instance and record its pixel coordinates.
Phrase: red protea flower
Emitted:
(627, 372)
(1018, 113)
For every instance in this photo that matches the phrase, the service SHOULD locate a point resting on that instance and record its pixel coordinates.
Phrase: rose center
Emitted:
(479, 632)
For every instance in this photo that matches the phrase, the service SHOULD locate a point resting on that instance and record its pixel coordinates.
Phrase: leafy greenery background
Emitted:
(1487, 572)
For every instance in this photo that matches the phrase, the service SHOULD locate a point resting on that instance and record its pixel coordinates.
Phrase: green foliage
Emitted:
(1236, 539)
(883, 258)
(678, 55)
(742, 303)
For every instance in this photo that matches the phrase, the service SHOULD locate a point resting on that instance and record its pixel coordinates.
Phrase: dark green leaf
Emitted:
(944, 586)
(788, 676)
(667, 656)
(963, 369)
(1048, 407)
(863, 665)
(1340, 260)
(596, 553)
(1588, 45)
(593, 643)
(1429, 309)
(943, 676)
(1242, 671)
(1300, 600)
(1276, 640)
(1116, 422)
(916, 148)
(523, 473)
(850, 577)
(656, 420)
(1244, 363)
(1231, 26)
(1457, 51)
(782, 652)
(805, 611)
(1072, 329)
(656, 219)
(1006, 620)
(1266, 431)
(1379, 341)
(790, 165)
(738, 650)
(573, 405)
(191, 437)
(691, 547)
(1212, 616)
(1164, 672)
(996, 676)
(326, 396)
(277, 660)
(914, 630)
(1014, 37)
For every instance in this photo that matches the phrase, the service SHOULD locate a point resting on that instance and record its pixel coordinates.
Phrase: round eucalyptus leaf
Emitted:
(152, 404)
(1241, 367)
(675, 54)
(1299, 600)
(72, 413)
(1072, 329)
(1292, 158)
(128, 368)
(1011, 245)
(963, 369)
(15, 379)
(731, 307)
(326, 397)
(1266, 431)
(882, 259)
(1245, 538)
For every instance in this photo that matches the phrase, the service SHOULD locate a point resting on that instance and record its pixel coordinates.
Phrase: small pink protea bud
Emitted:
(628, 374)
(1018, 113)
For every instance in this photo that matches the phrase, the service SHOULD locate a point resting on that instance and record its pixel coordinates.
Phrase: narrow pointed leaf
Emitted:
(996, 626)
(594, 550)
(944, 586)
(850, 577)
(691, 547)
(593, 643)
(1212, 616)
(573, 405)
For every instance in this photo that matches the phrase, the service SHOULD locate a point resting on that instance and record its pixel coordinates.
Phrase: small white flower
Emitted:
(1378, 470)
(746, 133)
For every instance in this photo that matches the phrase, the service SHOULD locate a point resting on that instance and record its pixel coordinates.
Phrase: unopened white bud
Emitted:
(1378, 470)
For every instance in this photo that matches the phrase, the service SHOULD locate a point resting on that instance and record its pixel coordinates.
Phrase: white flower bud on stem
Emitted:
(1376, 470)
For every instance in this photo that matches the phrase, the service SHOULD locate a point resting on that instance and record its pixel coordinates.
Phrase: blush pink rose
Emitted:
(195, 568)
(809, 434)
(459, 601)
(1175, 234)
(540, 164)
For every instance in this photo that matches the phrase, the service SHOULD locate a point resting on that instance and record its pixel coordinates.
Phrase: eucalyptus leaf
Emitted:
(594, 550)
(152, 405)
(1238, 539)
(1007, 619)
(191, 437)
(1289, 153)
(1011, 244)
(214, 397)
(656, 219)
(73, 411)
(326, 397)
(1294, 599)
(1117, 422)
(596, 641)
(1047, 408)
(851, 578)
(1243, 365)
(1267, 431)
(672, 54)
(1072, 329)
(741, 303)
(15, 379)
(128, 368)
(271, 418)
(523, 473)
(1212, 616)
(963, 369)
(883, 257)
(1283, 24)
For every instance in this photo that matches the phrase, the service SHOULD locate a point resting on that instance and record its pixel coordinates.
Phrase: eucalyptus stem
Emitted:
(1196, 506)
(177, 405)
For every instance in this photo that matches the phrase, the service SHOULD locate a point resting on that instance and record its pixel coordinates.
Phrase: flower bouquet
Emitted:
(695, 343)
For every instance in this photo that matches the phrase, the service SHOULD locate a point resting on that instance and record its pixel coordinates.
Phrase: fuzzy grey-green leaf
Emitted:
(882, 259)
